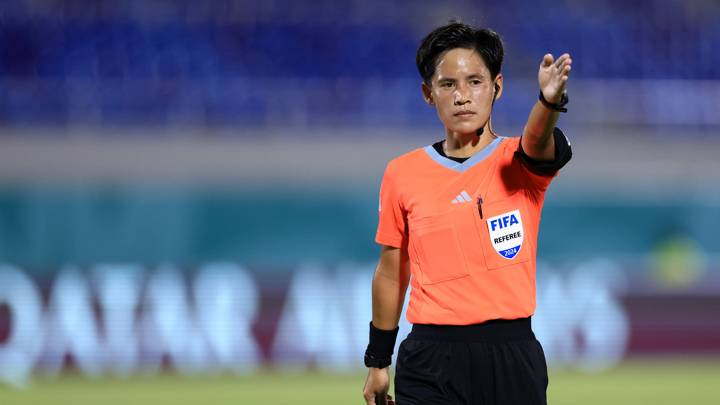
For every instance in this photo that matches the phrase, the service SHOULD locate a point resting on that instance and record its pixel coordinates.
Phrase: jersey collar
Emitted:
(472, 161)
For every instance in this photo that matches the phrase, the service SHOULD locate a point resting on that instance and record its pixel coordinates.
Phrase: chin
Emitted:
(465, 129)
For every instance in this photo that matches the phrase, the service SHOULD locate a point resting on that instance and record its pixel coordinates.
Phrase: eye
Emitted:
(475, 82)
(446, 84)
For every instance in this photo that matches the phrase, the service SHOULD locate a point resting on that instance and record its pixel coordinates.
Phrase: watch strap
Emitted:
(560, 106)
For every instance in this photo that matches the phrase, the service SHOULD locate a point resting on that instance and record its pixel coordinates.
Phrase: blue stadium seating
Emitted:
(131, 71)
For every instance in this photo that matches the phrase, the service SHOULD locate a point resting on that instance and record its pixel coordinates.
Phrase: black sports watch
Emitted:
(377, 362)
(560, 106)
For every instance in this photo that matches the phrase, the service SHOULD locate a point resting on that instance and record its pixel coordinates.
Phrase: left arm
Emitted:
(537, 140)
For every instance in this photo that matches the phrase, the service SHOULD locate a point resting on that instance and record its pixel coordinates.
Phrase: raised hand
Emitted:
(553, 76)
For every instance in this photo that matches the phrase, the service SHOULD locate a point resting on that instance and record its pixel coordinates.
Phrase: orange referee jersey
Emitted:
(470, 229)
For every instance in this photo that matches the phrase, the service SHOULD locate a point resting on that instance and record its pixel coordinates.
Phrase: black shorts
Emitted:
(494, 363)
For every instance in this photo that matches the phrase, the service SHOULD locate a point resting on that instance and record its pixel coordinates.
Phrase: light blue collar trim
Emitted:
(474, 159)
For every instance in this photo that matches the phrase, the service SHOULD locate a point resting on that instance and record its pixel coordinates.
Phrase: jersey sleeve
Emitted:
(541, 173)
(392, 218)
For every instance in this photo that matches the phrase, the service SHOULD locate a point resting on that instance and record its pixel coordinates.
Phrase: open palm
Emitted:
(553, 76)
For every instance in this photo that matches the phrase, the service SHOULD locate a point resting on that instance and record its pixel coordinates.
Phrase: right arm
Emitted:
(389, 286)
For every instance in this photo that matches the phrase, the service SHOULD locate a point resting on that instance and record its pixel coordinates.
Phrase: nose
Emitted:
(460, 96)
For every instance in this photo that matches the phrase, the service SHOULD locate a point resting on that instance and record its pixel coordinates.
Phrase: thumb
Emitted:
(547, 60)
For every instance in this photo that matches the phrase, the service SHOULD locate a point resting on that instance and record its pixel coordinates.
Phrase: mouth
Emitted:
(464, 113)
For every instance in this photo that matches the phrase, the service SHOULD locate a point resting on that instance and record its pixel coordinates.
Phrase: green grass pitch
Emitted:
(636, 382)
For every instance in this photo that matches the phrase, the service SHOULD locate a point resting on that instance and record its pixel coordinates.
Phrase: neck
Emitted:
(462, 145)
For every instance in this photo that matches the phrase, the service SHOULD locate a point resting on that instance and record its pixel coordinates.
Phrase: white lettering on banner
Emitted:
(354, 293)
(169, 327)
(584, 303)
(357, 281)
(552, 324)
(71, 326)
(118, 288)
(301, 330)
(205, 325)
(325, 318)
(227, 301)
(605, 327)
(21, 349)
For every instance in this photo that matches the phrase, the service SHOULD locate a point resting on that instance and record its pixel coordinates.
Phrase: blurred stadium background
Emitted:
(188, 194)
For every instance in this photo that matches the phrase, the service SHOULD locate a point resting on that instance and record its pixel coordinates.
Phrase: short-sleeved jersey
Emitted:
(470, 229)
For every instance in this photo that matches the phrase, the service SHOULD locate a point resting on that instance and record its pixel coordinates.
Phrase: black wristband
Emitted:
(372, 361)
(559, 107)
(381, 347)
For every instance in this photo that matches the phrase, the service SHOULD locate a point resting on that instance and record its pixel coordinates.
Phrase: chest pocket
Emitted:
(437, 247)
(502, 232)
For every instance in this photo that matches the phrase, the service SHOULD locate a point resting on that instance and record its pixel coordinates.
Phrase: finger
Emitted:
(559, 62)
(566, 63)
(369, 397)
(562, 58)
(547, 60)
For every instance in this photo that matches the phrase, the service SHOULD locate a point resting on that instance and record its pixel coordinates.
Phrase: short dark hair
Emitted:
(484, 41)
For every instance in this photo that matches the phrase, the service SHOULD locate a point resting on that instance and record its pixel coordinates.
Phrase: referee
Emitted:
(461, 216)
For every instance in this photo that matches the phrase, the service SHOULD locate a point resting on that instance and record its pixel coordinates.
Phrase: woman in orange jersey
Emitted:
(461, 216)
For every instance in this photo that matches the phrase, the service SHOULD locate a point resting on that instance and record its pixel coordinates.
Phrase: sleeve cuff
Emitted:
(388, 241)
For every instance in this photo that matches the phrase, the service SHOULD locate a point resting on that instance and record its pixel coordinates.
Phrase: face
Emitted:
(462, 91)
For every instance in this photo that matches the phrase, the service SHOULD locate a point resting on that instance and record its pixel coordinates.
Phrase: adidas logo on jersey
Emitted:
(463, 197)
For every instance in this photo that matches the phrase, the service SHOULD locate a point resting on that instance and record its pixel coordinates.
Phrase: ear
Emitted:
(498, 90)
(427, 93)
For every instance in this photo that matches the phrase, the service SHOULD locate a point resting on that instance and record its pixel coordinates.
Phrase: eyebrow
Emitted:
(471, 76)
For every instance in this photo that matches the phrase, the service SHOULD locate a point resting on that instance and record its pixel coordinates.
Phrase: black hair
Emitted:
(484, 41)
